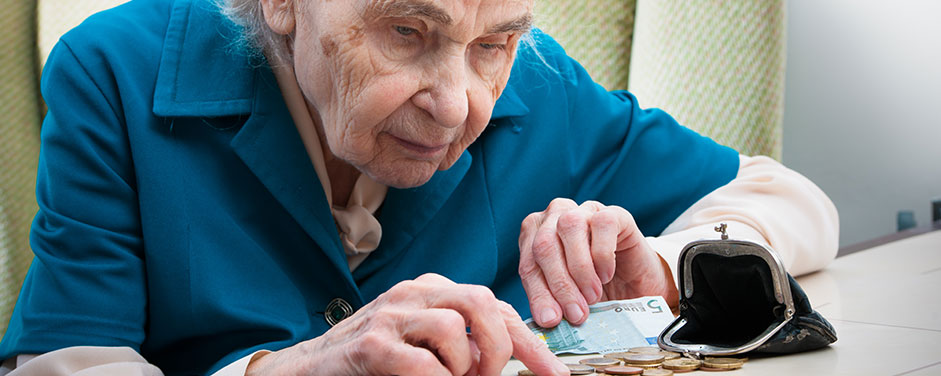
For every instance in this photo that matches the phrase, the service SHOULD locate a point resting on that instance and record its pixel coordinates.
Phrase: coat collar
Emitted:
(199, 36)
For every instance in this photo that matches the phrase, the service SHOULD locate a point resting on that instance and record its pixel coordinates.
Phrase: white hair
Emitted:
(255, 36)
(260, 41)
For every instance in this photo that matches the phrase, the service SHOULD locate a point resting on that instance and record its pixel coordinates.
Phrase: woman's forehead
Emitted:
(514, 15)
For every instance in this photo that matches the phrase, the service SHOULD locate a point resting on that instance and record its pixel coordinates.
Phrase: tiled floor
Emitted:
(885, 304)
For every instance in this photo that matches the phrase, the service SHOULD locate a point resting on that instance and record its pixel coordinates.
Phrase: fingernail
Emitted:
(590, 295)
(573, 312)
(547, 315)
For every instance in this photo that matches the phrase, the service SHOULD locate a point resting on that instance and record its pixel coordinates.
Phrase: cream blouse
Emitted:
(359, 229)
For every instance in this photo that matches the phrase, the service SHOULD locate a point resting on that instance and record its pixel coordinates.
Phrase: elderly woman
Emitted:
(357, 187)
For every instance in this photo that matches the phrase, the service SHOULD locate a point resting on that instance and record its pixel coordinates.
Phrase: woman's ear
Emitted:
(279, 14)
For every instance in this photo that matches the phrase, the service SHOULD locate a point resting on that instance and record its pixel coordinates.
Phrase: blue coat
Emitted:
(180, 214)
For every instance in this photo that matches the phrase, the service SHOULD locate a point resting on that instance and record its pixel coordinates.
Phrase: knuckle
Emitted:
(531, 220)
(452, 320)
(562, 288)
(545, 244)
(527, 270)
(480, 296)
(424, 364)
(561, 202)
(430, 277)
(571, 221)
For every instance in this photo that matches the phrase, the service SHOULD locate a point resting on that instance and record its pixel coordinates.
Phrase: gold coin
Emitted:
(723, 363)
(623, 370)
(645, 350)
(644, 366)
(667, 355)
(617, 355)
(580, 369)
(644, 359)
(681, 364)
(526, 372)
(743, 359)
(657, 372)
(600, 363)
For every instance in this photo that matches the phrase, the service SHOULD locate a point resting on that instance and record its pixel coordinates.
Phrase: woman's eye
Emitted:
(405, 30)
(492, 46)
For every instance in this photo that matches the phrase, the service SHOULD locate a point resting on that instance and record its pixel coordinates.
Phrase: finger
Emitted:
(442, 331)
(549, 255)
(573, 230)
(475, 357)
(478, 306)
(543, 306)
(605, 229)
(529, 349)
(404, 359)
(546, 311)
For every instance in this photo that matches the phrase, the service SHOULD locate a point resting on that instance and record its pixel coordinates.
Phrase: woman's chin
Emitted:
(411, 175)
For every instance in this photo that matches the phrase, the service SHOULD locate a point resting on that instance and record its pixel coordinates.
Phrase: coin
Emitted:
(722, 363)
(526, 372)
(657, 372)
(600, 363)
(669, 355)
(580, 369)
(623, 370)
(644, 366)
(617, 355)
(681, 364)
(643, 359)
(645, 350)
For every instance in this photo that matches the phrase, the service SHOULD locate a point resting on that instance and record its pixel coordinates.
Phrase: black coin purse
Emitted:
(736, 297)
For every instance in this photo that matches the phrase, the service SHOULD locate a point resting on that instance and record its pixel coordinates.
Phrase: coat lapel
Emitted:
(268, 143)
(406, 212)
(270, 146)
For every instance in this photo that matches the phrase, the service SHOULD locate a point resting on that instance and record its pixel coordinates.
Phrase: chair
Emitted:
(19, 146)
(716, 66)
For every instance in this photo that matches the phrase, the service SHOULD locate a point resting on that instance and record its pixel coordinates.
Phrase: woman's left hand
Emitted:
(574, 255)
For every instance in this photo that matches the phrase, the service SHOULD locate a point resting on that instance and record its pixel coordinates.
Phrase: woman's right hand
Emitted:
(419, 327)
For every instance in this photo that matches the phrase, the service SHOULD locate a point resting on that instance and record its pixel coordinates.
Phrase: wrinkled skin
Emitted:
(398, 89)
(399, 96)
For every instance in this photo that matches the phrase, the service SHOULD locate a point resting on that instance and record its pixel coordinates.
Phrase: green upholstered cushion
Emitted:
(717, 66)
(597, 33)
(19, 145)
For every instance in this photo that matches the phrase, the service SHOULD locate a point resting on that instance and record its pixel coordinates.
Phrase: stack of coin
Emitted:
(600, 364)
(654, 350)
(643, 360)
(623, 370)
(681, 365)
(580, 369)
(657, 372)
(721, 364)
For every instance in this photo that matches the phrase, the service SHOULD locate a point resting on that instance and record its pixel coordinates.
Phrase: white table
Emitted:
(885, 304)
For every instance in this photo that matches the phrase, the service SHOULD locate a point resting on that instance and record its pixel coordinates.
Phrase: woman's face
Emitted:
(402, 87)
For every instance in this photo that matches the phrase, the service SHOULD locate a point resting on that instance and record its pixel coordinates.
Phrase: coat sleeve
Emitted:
(640, 159)
(101, 361)
(86, 284)
(766, 203)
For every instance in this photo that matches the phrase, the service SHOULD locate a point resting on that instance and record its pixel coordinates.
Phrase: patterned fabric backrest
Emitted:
(56, 17)
(717, 66)
(19, 146)
(597, 33)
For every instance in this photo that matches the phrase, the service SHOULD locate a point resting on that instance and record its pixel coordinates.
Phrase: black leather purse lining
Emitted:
(732, 302)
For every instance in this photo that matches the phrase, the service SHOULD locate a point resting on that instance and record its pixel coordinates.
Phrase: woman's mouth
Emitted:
(421, 151)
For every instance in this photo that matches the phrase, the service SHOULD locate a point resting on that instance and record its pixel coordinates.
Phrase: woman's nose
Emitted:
(445, 97)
